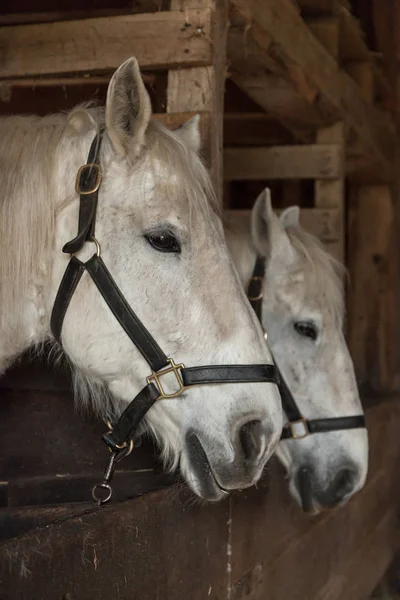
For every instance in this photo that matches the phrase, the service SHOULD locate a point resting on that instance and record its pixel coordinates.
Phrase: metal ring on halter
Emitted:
(97, 244)
(99, 499)
(130, 446)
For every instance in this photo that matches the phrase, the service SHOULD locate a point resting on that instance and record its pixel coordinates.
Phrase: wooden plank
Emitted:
(323, 223)
(82, 81)
(352, 44)
(367, 563)
(162, 547)
(271, 538)
(62, 453)
(373, 299)
(274, 30)
(316, 7)
(202, 88)
(254, 129)
(158, 40)
(25, 18)
(324, 161)
(254, 71)
(330, 194)
(326, 30)
(363, 73)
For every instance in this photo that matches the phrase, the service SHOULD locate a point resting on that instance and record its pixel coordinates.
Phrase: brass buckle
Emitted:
(292, 425)
(261, 293)
(174, 368)
(97, 183)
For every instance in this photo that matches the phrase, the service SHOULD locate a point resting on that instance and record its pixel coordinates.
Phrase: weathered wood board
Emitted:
(258, 546)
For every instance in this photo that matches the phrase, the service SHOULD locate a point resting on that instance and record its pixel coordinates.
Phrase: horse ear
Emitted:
(128, 109)
(268, 233)
(290, 217)
(189, 133)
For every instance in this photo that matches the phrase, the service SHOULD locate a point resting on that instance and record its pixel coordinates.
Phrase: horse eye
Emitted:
(164, 241)
(306, 329)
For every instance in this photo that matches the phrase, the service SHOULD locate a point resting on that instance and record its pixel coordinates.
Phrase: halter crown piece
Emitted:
(119, 436)
(297, 427)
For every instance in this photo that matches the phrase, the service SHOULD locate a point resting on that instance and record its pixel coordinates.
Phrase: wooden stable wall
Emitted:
(304, 103)
(257, 546)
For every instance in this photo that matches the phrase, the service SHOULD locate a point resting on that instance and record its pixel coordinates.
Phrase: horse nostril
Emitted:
(341, 485)
(251, 439)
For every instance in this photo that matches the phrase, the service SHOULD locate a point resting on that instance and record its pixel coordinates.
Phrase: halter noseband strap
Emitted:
(120, 435)
(297, 426)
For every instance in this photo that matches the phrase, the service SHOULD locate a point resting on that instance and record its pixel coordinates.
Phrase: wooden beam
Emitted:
(255, 129)
(82, 81)
(373, 299)
(202, 88)
(326, 30)
(158, 40)
(324, 223)
(330, 193)
(316, 7)
(363, 73)
(277, 39)
(352, 43)
(322, 161)
(50, 16)
(319, 552)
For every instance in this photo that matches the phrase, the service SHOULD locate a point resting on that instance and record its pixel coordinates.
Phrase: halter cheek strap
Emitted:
(297, 426)
(119, 437)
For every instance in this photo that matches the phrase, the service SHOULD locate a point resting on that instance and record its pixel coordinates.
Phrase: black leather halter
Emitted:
(119, 437)
(297, 426)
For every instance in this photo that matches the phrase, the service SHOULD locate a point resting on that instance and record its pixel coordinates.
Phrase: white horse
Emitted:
(163, 242)
(302, 312)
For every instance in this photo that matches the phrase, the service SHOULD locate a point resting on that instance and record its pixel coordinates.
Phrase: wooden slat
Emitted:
(81, 81)
(331, 194)
(316, 7)
(352, 42)
(363, 73)
(283, 162)
(161, 547)
(239, 550)
(25, 18)
(373, 296)
(327, 32)
(323, 223)
(158, 40)
(277, 39)
(254, 129)
(202, 88)
(279, 553)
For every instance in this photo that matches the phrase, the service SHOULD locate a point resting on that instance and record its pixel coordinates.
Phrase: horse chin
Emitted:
(199, 474)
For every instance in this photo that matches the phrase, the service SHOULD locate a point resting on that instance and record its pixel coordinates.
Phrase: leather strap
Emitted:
(69, 282)
(89, 178)
(125, 427)
(88, 183)
(121, 310)
(325, 425)
(229, 374)
(128, 422)
(288, 402)
(294, 416)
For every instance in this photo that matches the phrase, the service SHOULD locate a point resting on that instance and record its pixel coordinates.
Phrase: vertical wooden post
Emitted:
(374, 258)
(372, 303)
(202, 88)
(330, 193)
